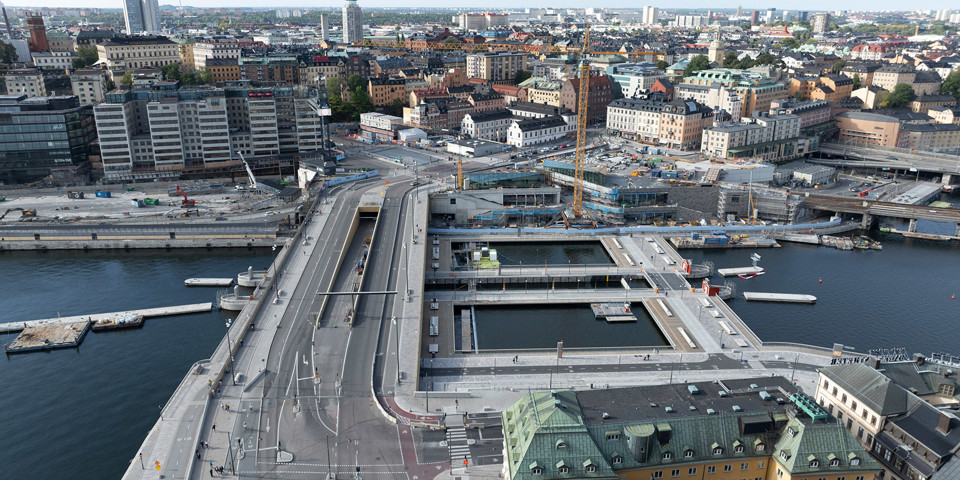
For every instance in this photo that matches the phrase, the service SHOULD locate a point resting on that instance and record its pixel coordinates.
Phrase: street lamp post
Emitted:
(396, 328)
(230, 352)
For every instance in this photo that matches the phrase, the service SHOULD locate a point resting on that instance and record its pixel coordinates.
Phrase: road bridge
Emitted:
(869, 209)
(901, 159)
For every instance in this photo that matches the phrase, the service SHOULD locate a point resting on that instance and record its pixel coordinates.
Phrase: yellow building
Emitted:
(750, 429)
(132, 52)
(185, 48)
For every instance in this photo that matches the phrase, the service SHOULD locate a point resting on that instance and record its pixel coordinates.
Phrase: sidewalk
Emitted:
(187, 418)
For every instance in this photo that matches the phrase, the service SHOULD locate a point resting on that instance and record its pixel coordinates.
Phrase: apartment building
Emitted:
(385, 91)
(863, 71)
(903, 412)
(124, 53)
(811, 112)
(770, 137)
(535, 131)
(157, 130)
(546, 92)
(61, 132)
(756, 91)
(438, 113)
(224, 70)
(479, 21)
(214, 48)
(888, 76)
(89, 85)
(868, 128)
(923, 103)
(929, 137)
(25, 81)
(655, 119)
(727, 430)
(272, 69)
(491, 125)
(496, 67)
(599, 95)
(54, 60)
(555, 68)
(313, 69)
(185, 49)
(724, 100)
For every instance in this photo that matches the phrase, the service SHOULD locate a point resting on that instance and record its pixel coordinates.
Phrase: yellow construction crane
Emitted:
(459, 173)
(582, 105)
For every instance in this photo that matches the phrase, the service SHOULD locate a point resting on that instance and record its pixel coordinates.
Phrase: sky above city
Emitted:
(792, 6)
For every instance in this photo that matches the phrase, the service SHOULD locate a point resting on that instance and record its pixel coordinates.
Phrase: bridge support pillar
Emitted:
(946, 179)
(866, 221)
(957, 233)
(913, 225)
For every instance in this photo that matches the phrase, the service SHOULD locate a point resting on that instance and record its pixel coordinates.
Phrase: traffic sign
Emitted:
(465, 462)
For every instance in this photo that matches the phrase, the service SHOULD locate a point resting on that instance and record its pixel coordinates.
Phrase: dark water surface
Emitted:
(82, 413)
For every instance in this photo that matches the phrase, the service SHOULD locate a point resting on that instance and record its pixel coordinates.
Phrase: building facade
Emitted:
(496, 67)
(208, 49)
(133, 52)
(89, 85)
(141, 16)
(352, 22)
(58, 146)
(25, 81)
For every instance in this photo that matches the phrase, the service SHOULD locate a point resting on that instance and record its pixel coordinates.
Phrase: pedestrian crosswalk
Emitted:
(458, 447)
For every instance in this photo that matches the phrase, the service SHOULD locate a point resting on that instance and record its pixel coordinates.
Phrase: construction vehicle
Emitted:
(24, 212)
(186, 201)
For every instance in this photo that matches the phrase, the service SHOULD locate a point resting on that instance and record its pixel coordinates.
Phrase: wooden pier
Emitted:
(779, 297)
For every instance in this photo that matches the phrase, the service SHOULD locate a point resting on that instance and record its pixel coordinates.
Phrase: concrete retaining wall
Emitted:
(137, 244)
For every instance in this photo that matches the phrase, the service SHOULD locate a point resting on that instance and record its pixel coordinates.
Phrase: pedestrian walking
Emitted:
(198, 453)
(211, 472)
(214, 427)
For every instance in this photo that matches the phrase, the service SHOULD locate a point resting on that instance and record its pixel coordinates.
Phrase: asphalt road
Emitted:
(318, 394)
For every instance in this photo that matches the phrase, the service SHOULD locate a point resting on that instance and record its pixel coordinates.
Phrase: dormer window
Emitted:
(835, 462)
(761, 447)
(854, 461)
(718, 451)
(537, 471)
(564, 469)
(814, 463)
(784, 455)
(617, 460)
(561, 444)
(792, 432)
(667, 455)
(688, 454)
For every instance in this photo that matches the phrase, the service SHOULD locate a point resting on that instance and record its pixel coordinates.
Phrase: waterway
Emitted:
(897, 297)
(553, 253)
(520, 327)
(84, 412)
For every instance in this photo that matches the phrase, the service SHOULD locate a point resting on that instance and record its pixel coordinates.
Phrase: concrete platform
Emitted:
(779, 297)
(208, 282)
(49, 337)
(146, 313)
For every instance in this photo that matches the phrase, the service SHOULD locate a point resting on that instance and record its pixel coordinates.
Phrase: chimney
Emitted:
(943, 426)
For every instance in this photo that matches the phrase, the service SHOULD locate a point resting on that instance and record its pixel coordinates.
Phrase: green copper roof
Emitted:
(803, 443)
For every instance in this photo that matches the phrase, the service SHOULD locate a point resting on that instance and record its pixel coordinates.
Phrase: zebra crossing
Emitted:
(458, 447)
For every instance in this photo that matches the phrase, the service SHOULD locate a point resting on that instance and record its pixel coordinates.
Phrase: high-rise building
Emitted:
(352, 22)
(802, 16)
(739, 10)
(650, 15)
(324, 27)
(141, 16)
(38, 34)
(820, 22)
(496, 67)
(754, 17)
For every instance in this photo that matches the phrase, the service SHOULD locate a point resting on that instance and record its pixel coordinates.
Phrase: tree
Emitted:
(790, 42)
(662, 64)
(856, 81)
(86, 56)
(951, 84)
(361, 102)
(799, 96)
(699, 62)
(837, 67)
(522, 75)
(901, 95)
(396, 107)
(171, 72)
(451, 40)
(354, 81)
(764, 59)
(730, 60)
(127, 78)
(204, 75)
(8, 53)
(109, 86)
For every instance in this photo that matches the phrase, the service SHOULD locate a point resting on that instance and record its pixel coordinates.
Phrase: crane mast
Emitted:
(582, 106)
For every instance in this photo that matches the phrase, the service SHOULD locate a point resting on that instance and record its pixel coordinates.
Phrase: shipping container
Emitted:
(102, 194)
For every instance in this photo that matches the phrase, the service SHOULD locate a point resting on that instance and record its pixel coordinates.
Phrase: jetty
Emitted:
(208, 282)
(730, 272)
(12, 327)
(613, 312)
(779, 297)
(49, 337)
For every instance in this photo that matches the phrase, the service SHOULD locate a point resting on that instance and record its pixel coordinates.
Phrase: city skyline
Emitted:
(818, 5)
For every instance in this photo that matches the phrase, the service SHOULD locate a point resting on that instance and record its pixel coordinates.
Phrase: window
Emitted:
(738, 449)
(873, 419)
(854, 405)
(834, 391)
(675, 472)
(591, 468)
(561, 444)
(834, 462)
(783, 455)
(744, 466)
(692, 471)
(667, 455)
(844, 398)
(761, 464)
(814, 463)
(711, 469)
(564, 469)
(761, 447)
(718, 451)
(658, 474)
(859, 432)
(537, 470)
(688, 453)
(728, 468)
(613, 436)
(854, 461)
(617, 460)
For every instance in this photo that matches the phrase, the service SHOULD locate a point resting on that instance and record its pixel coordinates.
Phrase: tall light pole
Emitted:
(230, 352)
(396, 328)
